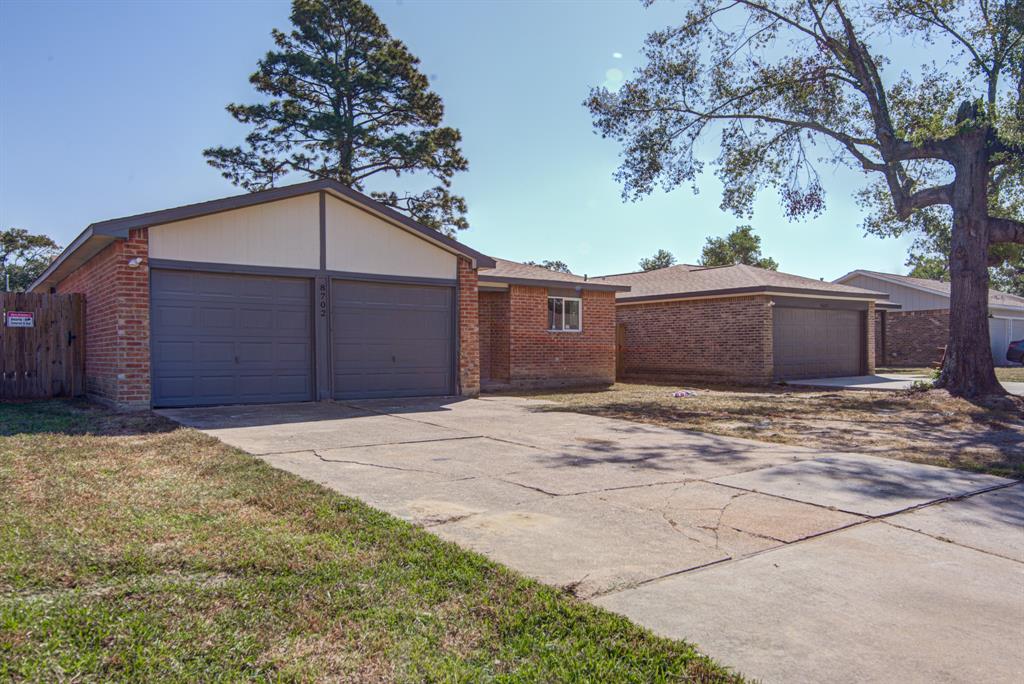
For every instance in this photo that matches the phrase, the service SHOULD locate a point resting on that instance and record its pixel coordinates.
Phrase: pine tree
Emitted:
(346, 101)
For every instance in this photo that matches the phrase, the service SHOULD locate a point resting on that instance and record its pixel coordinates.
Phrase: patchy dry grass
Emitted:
(924, 427)
(1004, 373)
(134, 550)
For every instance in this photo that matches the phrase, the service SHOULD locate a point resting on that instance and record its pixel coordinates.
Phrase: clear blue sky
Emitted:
(106, 106)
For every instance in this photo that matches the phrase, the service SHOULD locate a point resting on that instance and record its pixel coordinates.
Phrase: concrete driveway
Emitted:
(886, 381)
(785, 563)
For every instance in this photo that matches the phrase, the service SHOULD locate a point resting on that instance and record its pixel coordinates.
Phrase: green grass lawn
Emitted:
(131, 549)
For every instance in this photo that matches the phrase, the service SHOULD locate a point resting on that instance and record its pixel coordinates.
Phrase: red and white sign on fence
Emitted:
(20, 319)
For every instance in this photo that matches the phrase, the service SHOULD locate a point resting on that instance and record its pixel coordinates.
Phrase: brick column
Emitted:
(133, 380)
(116, 322)
(469, 330)
(871, 338)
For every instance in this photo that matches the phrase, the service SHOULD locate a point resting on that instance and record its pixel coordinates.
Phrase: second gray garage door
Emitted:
(230, 339)
(817, 343)
(391, 340)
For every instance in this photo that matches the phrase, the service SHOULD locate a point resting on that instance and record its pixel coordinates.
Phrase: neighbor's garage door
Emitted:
(230, 339)
(817, 343)
(391, 340)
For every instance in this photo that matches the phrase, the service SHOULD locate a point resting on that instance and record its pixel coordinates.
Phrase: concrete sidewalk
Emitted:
(885, 381)
(783, 562)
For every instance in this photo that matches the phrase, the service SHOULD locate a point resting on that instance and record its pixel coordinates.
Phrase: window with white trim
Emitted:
(565, 314)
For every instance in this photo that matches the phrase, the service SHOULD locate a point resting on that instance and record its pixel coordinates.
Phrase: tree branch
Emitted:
(1005, 230)
(906, 203)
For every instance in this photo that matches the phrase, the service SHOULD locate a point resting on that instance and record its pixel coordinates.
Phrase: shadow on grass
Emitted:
(76, 417)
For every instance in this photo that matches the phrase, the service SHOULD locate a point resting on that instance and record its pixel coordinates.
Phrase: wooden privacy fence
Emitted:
(42, 345)
(620, 350)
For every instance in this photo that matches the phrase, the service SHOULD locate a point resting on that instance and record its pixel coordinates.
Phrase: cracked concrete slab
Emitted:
(648, 518)
(581, 544)
(462, 457)
(736, 521)
(861, 484)
(551, 427)
(277, 428)
(871, 603)
(420, 497)
(992, 522)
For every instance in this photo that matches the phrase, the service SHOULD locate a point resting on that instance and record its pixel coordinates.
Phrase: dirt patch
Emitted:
(923, 427)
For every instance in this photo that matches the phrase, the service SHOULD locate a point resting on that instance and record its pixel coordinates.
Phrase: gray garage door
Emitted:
(230, 339)
(817, 343)
(391, 340)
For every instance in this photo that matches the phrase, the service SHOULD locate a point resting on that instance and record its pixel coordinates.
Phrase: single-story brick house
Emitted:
(314, 292)
(742, 324)
(915, 335)
(541, 328)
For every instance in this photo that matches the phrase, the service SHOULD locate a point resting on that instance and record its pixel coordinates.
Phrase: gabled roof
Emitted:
(686, 282)
(515, 273)
(937, 287)
(98, 235)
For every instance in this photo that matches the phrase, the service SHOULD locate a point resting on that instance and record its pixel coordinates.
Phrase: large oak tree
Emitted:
(346, 100)
(793, 86)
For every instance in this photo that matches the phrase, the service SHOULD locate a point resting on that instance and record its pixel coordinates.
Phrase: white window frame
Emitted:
(578, 300)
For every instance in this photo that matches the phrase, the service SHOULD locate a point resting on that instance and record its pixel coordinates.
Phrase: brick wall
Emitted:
(716, 340)
(494, 338)
(469, 330)
(539, 357)
(871, 338)
(116, 322)
(912, 338)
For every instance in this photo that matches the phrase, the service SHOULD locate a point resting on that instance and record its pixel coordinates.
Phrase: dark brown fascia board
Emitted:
(119, 227)
(749, 290)
(537, 282)
(83, 238)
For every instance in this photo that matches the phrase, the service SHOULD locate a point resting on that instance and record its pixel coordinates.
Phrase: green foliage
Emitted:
(740, 246)
(922, 385)
(661, 259)
(559, 266)
(346, 101)
(23, 257)
(790, 86)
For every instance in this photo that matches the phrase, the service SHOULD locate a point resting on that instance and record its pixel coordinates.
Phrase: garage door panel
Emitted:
(817, 342)
(391, 339)
(384, 325)
(370, 384)
(228, 338)
(352, 359)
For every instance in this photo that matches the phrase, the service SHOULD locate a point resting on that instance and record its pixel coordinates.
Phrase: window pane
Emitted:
(572, 315)
(554, 313)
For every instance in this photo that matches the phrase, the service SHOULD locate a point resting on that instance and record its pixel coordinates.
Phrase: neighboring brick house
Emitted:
(741, 324)
(316, 292)
(541, 328)
(915, 334)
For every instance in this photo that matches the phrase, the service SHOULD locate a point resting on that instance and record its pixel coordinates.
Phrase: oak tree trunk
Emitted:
(969, 371)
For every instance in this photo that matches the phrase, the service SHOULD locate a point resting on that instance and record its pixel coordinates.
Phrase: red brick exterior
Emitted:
(521, 352)
(711, 340)
(116, 322)
(494, 344)
(871, 339)
(469, 330)
(910, 338)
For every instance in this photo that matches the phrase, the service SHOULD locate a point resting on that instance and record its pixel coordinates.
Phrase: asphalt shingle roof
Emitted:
(511, 271)
(686, 280)
(939, 287)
